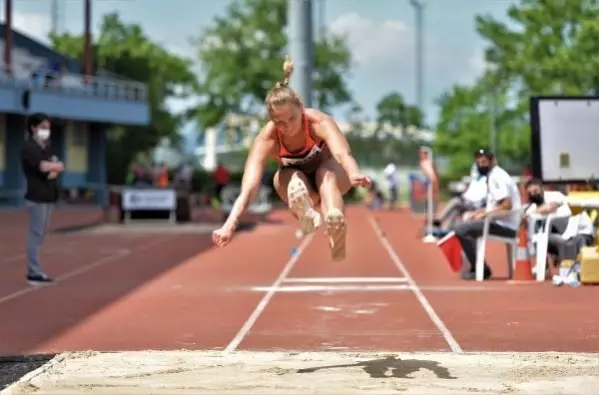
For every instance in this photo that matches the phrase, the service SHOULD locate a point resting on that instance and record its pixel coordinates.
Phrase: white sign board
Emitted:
(565, 138)
(149, 199)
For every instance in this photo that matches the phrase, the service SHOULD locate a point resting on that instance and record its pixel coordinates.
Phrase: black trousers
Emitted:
(568, 248)
(565, 248)
(468, 231)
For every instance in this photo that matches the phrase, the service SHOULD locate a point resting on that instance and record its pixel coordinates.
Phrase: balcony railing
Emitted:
(76, 85)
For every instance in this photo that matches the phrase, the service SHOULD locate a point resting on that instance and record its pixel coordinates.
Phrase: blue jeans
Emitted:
(39, 218)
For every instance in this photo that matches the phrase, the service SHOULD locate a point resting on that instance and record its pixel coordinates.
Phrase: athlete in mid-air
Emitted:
(316, 166)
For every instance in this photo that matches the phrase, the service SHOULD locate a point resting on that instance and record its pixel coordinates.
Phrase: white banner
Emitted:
(149, 199)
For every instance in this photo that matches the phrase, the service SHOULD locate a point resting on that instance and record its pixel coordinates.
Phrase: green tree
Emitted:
(464, 125)
(124, 50)
(546, 47)
(393, 110)
(242, 53)
(467, 118)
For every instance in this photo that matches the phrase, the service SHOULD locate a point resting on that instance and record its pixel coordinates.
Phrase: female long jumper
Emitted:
(316, 166)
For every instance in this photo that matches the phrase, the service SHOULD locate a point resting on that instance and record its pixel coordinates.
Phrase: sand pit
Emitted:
(187, 372)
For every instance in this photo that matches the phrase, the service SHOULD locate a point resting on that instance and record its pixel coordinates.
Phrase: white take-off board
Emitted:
(569, 139)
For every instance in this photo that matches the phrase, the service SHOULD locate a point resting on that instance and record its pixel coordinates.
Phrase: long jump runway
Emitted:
(255, 319)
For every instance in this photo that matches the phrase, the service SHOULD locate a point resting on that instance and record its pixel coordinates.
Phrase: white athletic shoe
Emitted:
(336, 230)
(299, 203)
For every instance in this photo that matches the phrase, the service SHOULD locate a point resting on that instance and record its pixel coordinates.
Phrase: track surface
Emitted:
(172, 292)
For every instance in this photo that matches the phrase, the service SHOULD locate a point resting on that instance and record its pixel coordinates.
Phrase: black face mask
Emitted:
(483, 170)
(536, 198)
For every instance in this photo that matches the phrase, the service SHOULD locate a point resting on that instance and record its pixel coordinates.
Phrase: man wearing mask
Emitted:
(568, 234)
(502, 197)
(544, 202)
(41, 169)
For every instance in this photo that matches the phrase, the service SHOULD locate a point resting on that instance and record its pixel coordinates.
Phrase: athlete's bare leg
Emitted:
(294, 188)
(332, 183)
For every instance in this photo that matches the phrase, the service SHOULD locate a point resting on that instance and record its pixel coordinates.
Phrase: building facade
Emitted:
(82, 110)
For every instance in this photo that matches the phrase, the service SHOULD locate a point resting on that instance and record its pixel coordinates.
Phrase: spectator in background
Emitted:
(392, 180)
(374, 198)
(221, 178)
(161, 176)
(41, 168)
(502, 198)
(184, 175)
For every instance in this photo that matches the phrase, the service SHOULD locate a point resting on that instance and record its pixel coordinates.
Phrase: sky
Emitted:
(380, 35)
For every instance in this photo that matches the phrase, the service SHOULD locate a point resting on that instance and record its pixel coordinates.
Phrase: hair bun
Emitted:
(288, 66)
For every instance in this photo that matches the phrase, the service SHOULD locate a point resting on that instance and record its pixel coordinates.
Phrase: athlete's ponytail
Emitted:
(281, 93)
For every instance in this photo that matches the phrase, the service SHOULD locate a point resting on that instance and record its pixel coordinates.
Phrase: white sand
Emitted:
(186, 372)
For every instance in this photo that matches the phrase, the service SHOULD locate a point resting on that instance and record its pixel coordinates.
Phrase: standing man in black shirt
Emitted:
(41, 168)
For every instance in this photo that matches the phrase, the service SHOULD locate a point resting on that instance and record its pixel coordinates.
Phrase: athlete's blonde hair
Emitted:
(281, 93)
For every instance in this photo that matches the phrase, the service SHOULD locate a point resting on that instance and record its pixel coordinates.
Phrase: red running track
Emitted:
(393, 293)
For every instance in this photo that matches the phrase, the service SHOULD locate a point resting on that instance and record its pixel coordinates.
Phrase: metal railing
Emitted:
(76, 85)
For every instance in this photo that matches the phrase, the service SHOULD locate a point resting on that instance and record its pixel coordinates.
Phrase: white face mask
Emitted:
(43, 134)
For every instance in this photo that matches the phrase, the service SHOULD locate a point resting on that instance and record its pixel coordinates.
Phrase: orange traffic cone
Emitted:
(523, 269)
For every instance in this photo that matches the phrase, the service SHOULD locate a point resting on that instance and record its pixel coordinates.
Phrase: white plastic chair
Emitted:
(481, 246)
(541, 241)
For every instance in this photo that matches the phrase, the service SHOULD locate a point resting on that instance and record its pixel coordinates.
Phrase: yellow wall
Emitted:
(2, 142)
(76, 144)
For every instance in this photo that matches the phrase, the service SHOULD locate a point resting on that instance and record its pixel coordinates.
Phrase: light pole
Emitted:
(419, 9)
(492, 102)
(300, 42)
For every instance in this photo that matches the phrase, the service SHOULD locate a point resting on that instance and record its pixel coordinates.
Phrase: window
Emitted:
(79, 134)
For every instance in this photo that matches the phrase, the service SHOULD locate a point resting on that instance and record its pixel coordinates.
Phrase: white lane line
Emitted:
(345, 280)
(86, 268)
(370, 288)
(261, 306)
(445, 332)
(334, 288)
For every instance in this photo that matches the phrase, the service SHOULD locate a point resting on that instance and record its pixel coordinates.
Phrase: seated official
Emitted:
(568, 234)
(544, 202)
(579, 232)
(502, 201)
(472, 199)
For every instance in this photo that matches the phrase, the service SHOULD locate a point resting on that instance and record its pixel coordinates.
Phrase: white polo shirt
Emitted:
(501, 186)
(553, 197)
(477, 191)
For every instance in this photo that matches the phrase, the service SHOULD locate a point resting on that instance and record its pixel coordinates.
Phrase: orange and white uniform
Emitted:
(309, 158)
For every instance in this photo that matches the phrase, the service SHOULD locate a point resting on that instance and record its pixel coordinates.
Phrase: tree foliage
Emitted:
(242, 53)
(393, 110)
(546, 47)
(383, 142)
(125, 51)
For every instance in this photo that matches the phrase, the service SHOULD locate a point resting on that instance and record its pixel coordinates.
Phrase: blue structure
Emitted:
(81, 110)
